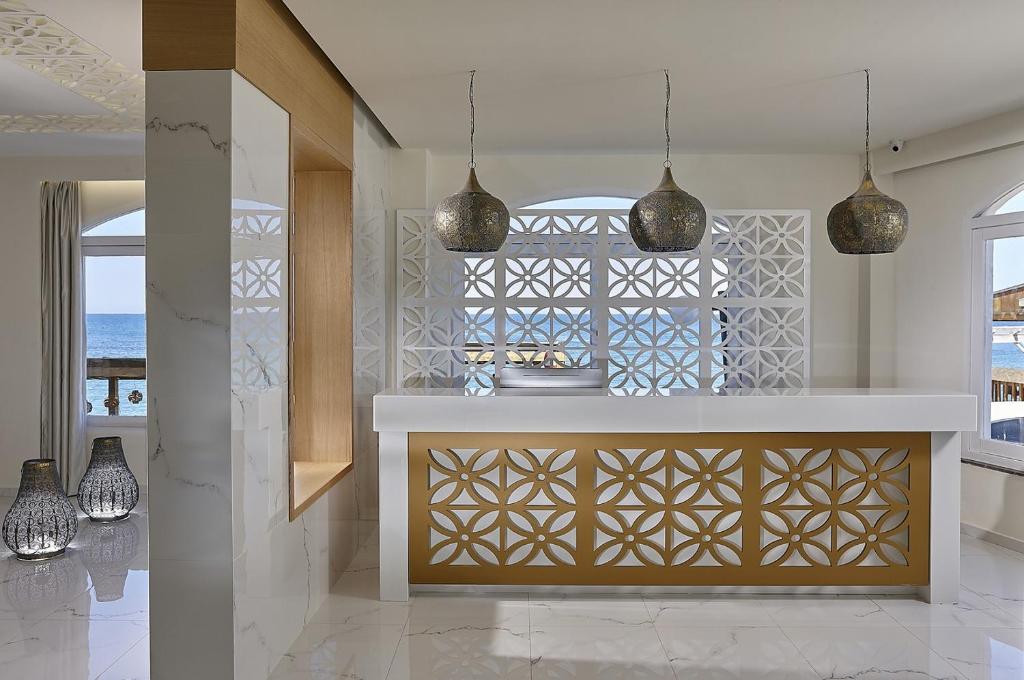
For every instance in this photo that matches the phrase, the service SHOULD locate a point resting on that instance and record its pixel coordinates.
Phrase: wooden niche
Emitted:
(320, 340)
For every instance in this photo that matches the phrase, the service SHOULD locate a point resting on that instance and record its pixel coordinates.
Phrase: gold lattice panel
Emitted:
(685, 509)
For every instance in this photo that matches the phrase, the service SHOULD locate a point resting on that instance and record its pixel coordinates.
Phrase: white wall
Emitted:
(20, 340)
(930, 285)
(813, 182)
(105, 200)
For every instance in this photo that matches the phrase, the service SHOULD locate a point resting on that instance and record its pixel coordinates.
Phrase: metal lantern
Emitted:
(668, 219)
(41, 522)
(471, 221)
(868, 222)
(108, 490)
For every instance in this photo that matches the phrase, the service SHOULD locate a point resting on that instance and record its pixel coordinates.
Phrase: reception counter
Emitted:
(807, 490)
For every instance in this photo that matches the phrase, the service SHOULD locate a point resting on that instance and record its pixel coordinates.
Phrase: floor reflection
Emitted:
(84, 614)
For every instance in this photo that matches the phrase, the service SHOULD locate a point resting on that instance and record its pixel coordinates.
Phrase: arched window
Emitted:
(114, 272)
(1010, 202)
(997, 327)
(592, 202)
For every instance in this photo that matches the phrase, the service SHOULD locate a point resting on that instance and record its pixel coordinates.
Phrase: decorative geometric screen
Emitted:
(736, 509)
(569, 287)
(259, 297)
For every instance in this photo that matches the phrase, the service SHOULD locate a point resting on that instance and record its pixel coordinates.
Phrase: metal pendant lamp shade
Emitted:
(868, 222)
(471, 221)
(668, 219)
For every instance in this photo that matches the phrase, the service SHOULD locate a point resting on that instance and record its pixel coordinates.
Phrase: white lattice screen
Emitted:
(570, 287)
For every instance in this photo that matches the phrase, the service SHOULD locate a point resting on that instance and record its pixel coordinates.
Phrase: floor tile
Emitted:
(133, 665)
(709, 613)
(349, 609)
(339, 651)
(979, 654)
(607, 652)
(49, 650)
(880, 653)
(970, 545)
(462, 652)
(972, 611)
(589, 611)
(476, 610)
(998, 579)
(740, 653)
(827, 612)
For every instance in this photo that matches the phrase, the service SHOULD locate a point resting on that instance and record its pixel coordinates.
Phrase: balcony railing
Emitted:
(1004, 390)
(113, 371)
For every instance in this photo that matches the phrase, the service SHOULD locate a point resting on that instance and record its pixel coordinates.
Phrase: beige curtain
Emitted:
(62, 398)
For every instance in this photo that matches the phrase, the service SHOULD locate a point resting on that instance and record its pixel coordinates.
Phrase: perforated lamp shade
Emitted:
(868, 222)
(668, 219)
(472, 220)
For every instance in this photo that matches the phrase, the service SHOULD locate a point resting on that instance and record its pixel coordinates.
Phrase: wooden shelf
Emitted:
(312, 480)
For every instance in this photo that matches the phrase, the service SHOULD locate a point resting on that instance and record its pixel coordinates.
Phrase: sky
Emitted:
(116, 285)
(1007, 262)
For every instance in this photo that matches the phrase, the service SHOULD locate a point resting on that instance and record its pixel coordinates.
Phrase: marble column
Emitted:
(233, 580)
(188, 317)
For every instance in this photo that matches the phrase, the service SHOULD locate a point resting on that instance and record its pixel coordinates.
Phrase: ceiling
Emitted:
(71, 77)
(748, 76)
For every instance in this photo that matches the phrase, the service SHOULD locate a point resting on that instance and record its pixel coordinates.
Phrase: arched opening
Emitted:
(1010, 202)
(587, 202)
(114, 274)
(132, 223)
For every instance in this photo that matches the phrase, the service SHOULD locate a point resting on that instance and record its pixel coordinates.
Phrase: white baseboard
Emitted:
(1002, 540)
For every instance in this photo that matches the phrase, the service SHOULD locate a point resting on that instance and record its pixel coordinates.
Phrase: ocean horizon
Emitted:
(124, 335)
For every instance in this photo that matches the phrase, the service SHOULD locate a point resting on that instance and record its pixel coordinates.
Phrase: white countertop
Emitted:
(734, 410)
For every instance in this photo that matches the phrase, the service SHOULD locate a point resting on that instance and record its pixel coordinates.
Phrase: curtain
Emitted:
(62, 398)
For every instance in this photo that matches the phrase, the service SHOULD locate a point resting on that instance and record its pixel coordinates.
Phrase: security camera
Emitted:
(896, 145)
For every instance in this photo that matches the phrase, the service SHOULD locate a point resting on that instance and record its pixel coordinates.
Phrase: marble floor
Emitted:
(85, 616)
(81, 616)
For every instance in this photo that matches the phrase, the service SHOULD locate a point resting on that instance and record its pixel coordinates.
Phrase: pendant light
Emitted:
(868, 222)
(471, 221)
(668, 219)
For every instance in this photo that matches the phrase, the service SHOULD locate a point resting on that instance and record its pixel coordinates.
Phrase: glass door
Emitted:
(998, 335)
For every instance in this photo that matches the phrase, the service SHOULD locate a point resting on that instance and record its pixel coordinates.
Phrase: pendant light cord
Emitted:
(867, 119)
(668, 138)
(472, 120)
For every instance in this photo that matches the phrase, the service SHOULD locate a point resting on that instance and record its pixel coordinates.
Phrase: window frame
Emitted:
(110, 246)
(985, 228)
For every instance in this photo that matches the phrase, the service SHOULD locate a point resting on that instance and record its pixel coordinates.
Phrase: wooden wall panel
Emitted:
(185, 35)
(277, 55)
(264, 42)
(321, 368)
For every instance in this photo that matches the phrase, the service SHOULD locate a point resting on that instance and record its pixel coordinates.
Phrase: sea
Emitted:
(1006, 354)
(124, 335)
(115, 336)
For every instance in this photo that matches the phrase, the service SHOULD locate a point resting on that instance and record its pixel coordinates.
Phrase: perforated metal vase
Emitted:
(109, 490)
(41, 522)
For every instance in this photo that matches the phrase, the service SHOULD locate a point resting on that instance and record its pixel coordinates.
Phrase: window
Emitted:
(998, 328)
(114, 263)
(569, 288)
